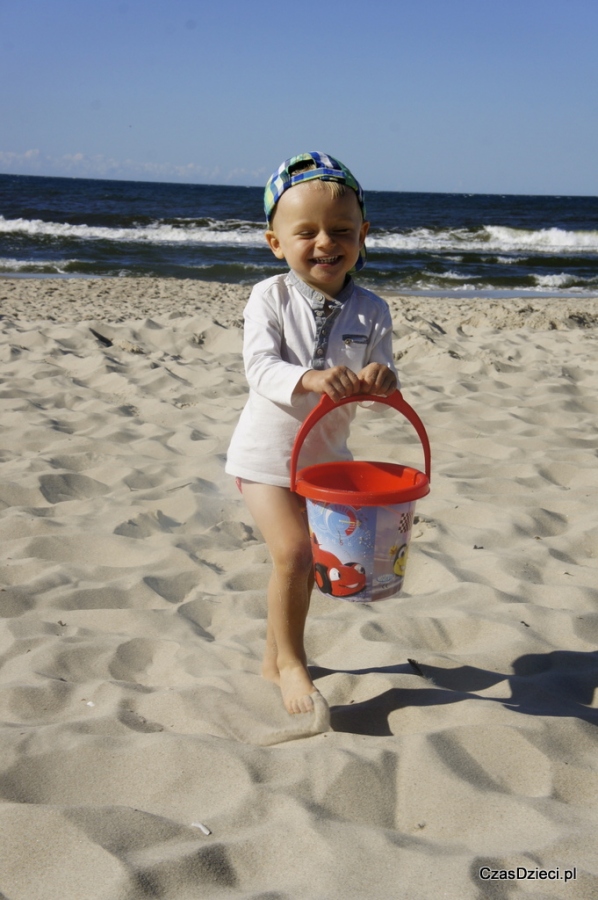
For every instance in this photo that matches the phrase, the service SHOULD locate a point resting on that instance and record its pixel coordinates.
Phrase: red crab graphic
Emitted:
(334, 577)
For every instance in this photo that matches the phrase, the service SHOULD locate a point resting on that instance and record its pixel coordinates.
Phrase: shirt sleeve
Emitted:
(381, 348)
(267, 373)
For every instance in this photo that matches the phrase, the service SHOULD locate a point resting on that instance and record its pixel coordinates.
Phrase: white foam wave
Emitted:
(448, 276)
(494, 238)
(158, 233)
(547, 239)
(21, 265)
(563, 281)
(490, 238)
(553, 284)
(554, 281)
(421, 239)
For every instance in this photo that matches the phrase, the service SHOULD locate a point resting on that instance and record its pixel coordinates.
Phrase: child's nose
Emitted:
(325, 239)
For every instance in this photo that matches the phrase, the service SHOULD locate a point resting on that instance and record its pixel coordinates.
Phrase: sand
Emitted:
(133, 716)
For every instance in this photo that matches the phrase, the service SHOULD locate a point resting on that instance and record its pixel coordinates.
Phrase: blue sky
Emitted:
(497, 96)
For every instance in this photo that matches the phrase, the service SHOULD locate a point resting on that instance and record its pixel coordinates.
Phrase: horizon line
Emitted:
(459, 193)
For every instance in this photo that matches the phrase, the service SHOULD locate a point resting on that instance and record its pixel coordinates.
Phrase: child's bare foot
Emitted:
(297, 689)
(295, 685)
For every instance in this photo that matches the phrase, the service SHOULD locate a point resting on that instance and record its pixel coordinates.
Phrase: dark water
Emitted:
(417, 242)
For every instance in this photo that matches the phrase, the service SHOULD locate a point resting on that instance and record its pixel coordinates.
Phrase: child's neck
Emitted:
(329, 299)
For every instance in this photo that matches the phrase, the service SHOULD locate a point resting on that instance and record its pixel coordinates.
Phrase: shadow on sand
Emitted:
(561, 683)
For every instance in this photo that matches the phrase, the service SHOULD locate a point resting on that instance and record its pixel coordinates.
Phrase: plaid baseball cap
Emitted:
(327, 169)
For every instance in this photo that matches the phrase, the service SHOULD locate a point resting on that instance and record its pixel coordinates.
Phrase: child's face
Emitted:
(319, 235)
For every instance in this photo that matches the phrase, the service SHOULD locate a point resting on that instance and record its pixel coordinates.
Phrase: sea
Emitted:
(490, 245)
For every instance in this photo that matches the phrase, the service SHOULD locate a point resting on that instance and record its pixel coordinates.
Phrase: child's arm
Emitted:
(267, 373)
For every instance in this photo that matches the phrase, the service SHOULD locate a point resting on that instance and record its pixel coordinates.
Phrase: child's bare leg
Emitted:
(270, 664)
(280, 518)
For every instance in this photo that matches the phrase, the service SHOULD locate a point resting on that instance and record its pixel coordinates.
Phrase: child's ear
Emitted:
(274, 244)
(365, 227)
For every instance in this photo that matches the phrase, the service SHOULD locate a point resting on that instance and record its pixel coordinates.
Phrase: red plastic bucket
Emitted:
(360, 513)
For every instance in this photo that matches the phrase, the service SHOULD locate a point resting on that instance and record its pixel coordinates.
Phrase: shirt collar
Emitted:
(316, 299)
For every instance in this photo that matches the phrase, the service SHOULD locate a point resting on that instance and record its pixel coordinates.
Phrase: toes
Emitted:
(303, 704)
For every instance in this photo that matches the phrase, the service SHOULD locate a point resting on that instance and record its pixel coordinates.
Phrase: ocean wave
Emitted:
(423, 280)
(564, 281)
(488, 238)
(155, 233)
(493, 238)
(454, 281)
(547, 239)
(34, 267)
(234, 272)
(446, 276)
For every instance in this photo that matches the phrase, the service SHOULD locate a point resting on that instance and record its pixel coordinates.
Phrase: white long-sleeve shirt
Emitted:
(285, 336)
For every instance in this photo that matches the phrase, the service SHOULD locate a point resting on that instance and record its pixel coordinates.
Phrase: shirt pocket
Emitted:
(354, 349)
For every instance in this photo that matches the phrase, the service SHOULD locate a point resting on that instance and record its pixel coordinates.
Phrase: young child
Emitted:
(309, 331)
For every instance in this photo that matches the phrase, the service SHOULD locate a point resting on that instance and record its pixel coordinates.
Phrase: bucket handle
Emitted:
(326, 405)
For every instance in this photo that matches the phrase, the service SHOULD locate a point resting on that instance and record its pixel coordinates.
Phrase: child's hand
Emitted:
(338, 382)
(377, 379)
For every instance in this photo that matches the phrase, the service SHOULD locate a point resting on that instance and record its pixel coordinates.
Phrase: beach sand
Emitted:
(132, 583)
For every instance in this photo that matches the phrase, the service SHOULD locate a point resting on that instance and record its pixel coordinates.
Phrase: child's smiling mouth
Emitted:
(326, 260)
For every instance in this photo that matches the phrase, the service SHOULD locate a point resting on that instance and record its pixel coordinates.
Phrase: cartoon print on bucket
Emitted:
(359, 554)
(342, 547)
(333, 576)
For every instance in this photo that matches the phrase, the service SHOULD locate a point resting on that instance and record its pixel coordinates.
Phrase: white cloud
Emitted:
(77, 164)
(9, 158)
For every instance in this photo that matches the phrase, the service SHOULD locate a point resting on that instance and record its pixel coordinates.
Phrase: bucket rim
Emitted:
(392, 496)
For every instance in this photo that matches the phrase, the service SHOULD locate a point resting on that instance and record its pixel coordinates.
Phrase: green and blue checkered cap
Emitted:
(327, 169)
